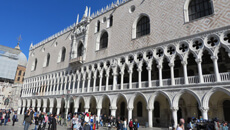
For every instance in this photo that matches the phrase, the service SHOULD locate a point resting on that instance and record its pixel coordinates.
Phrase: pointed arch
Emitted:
(207, 96)
(154, 96)
(132, 98)
(100, 101)
(176, 98)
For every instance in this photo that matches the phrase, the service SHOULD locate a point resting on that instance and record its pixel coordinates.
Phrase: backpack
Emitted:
(137, 125)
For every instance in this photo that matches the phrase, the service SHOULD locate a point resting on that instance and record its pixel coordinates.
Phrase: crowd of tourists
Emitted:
(5, 116)
(200, 124)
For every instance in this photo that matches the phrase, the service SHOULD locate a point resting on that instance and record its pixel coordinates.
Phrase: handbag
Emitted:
(9, 120)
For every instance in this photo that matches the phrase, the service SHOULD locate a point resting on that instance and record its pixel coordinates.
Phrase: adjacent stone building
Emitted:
(154, 60)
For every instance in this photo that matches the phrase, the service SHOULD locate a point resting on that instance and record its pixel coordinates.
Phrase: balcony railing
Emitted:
(209, 78)
(77, 61)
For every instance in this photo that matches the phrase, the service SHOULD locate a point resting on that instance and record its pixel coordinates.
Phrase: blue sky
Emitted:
(36, 20)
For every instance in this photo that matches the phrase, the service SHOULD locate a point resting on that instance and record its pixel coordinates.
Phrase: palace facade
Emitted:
(154, 60)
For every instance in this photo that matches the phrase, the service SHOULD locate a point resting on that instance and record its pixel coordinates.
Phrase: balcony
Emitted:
(179, 82)
(76, 61)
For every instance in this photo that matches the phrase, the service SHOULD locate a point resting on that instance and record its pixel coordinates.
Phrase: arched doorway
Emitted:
(122, 112)
(140, 112)
(92, 106)
(71, 106)
(81, 105)
(219, 106)
(105, 106)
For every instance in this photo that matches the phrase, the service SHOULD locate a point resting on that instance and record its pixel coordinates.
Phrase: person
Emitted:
(75, 121)
(50, 119)
(125, 124)
(1, 113)
(14, 118)
(225, 126)
(59, 119)
(54, 124)
(181, 124)
(45, 121)
(3, 117)
(104, 120)
(36, 118)
(40, 121)
(7, 117)
(189, 125)
(28, 118)
(68, 120)
(135, 125)
(131, 124)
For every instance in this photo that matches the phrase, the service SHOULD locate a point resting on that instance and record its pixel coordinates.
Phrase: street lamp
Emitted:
(66, 109)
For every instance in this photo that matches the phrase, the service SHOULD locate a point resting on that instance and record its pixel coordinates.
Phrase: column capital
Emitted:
(214, 57)
(174, 108)
(159, 66)
(99, 108)
(113, 108)
(204, 109)
(171, 64)
(121, 73)
(130, 109)
(139, 69)
(130, 71)
(149, 68)
(198, 60)
(184, 62)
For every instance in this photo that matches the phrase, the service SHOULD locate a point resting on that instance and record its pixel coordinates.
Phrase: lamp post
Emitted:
(66, 108)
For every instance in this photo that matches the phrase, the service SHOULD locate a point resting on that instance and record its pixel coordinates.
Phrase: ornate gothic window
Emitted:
(80, 50)
(143, 27)
(199, 8)
(111, 21)
(48, 59)
(34, 65)
(139, 109)
(61, 55)
(104, 40)
(98, 26)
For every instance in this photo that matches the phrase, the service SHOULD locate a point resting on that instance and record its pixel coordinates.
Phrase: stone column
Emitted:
(160, 75)
(130, 78)
(74, 82)
(51, 110)
(98, 113)
(149, 76)
(78, 85)
(100, 82)
(19, 111)
(114, 80)
(23, 109)
(204, 112)
(130, 112)
(70, 80)
(198, 61)
(122, 80)
(47, 87)
(76, 109)
(139, 77)
(216, 68)
(150, 119)
(58, 110)
(60, 91)
(51, 85)
(171, 65)
(94, 83)
(107, 82)
(113, 112)
(86, 109)
(65, 84)
(83, 84)
(89, 79)
(44, 109)
(184, 63)
(174, 115)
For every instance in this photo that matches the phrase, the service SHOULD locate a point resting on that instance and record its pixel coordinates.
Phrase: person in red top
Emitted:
(131, 124)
